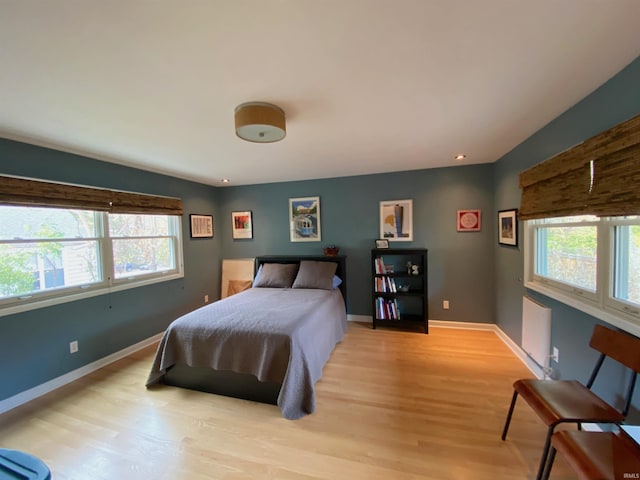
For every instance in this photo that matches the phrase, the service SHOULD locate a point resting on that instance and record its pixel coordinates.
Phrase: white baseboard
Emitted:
(44, 388)
(462, 325)
(519, 352)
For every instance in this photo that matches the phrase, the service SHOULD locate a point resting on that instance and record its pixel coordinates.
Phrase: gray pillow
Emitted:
(276, 275)
(315, 275)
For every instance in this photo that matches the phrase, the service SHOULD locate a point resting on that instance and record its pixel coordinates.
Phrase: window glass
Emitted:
(568, 254)
(36, 223)
(43, 249)
(627, 263)
(141, 256)
(126, 225)
(142, 244)
(573, 219)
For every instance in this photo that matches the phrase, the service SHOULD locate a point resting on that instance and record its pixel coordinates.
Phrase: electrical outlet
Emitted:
(445, 304)
(206, 299)
(556, 355)
(73, 346)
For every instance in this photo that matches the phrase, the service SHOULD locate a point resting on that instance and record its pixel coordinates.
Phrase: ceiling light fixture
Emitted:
(460, 156)
(260, 122)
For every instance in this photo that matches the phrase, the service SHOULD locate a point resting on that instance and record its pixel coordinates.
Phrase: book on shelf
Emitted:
(381, 268)
(385, 285)
(379, 265)
(387, 309)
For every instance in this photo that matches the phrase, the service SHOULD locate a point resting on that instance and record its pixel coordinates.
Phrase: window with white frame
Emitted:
(52, 255)
(588, 262)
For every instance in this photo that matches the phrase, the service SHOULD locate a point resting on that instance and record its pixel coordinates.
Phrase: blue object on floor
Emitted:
(16, 465)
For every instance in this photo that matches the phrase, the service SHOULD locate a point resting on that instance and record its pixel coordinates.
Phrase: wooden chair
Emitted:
(596, 455)
(569, 401)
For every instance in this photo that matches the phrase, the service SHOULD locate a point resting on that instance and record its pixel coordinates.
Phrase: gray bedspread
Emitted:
(278, 335)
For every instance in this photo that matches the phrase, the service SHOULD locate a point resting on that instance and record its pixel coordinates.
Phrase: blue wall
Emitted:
(35, 344)
(460, 264)
(612, 103)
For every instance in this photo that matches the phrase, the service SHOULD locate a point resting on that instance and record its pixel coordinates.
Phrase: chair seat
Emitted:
(598, 455)
(557, 401)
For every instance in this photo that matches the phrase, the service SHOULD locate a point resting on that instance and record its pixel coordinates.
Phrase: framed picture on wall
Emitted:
(304, 219)
(396, 220)
(242, 224)
(469, 220)
(508, 227)
(201, 226)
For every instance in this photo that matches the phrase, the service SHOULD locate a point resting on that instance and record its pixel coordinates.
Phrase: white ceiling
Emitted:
(368, 86)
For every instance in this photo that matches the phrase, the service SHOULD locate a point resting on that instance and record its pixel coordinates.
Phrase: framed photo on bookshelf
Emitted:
(382, 243)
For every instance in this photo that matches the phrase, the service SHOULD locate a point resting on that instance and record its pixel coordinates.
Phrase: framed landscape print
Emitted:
(508, 227)
(242, 224)
(304, 219)
(396, 220)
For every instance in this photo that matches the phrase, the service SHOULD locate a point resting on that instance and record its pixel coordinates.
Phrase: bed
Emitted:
(268, 343)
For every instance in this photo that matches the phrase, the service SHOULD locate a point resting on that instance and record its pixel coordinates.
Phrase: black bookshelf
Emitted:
(399, 291)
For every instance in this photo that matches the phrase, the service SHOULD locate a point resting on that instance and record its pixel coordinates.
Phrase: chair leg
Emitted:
(550, 460)
(545, 453)
(508, 421)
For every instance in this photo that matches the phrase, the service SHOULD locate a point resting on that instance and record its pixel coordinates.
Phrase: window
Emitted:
(567, 253)
(626, 266)
(141, 244)
(588, 262)
(51, 255)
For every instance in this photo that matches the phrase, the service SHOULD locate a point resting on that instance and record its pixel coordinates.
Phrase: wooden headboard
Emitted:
(341, 270)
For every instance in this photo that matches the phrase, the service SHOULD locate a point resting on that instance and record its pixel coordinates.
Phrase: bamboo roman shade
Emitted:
(600, 176)
(38, 193)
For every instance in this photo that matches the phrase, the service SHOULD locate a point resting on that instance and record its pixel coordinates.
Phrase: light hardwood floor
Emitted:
(390, 405)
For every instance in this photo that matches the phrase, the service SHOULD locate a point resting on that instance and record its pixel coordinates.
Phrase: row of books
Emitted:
(387, 309)
(384, 284)
(381, 268)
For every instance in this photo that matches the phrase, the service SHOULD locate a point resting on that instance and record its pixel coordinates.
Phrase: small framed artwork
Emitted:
(201, 226)
(469, 220)
(396, 220)
(242, 225)
(304, 219)
(382, 243)
(508, 227)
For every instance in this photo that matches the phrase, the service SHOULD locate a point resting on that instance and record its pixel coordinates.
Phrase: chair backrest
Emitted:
(623, 348)
(620, 346)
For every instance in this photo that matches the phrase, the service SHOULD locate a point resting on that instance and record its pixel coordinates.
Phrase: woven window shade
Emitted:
(600, 176)
(38, 193)
(124, 202)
